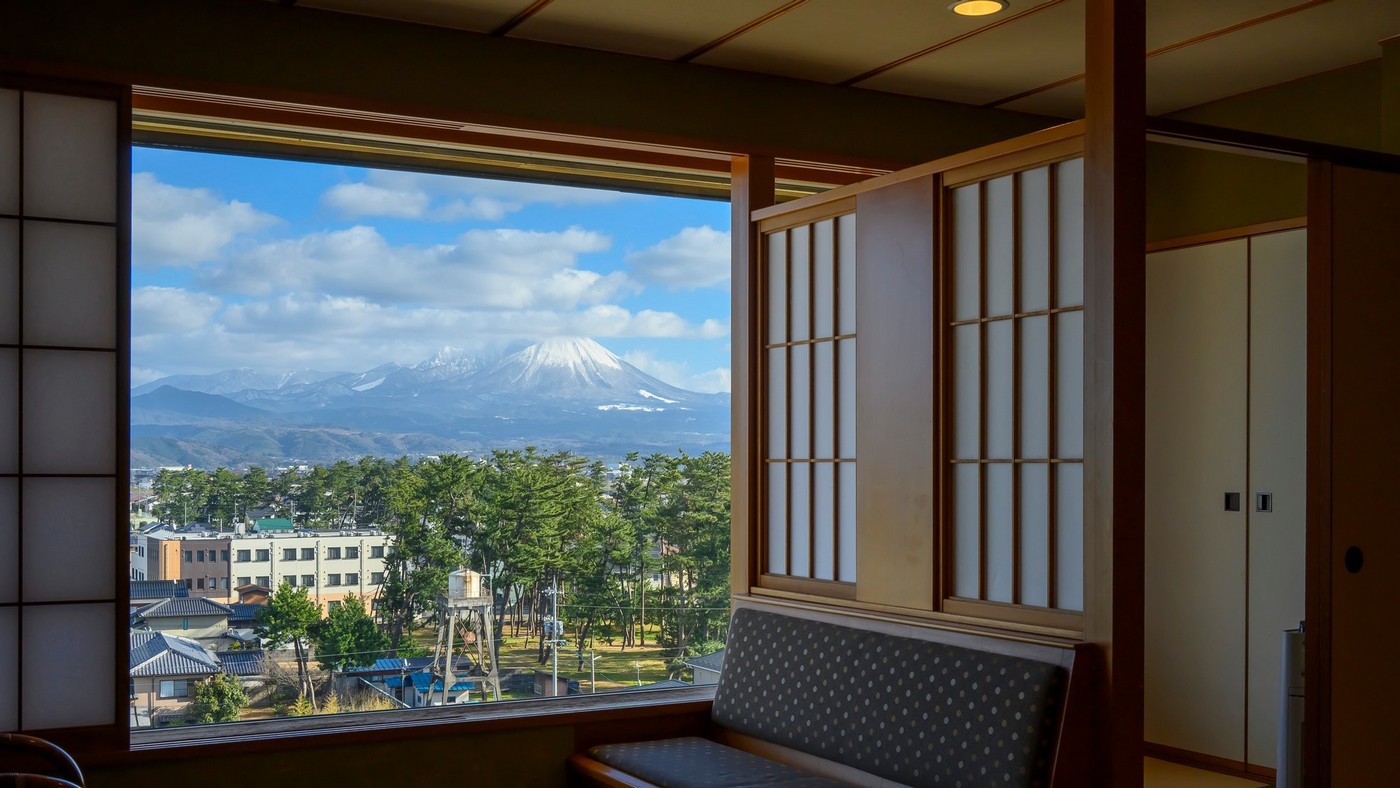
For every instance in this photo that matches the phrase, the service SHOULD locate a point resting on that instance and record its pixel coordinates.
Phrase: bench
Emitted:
(806, 699)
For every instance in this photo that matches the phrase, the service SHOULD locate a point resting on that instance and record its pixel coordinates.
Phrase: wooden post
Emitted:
(1114, 249)
(751, 187)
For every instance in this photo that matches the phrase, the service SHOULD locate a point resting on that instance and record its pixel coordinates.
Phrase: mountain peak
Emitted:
(447, 356)
(576, 353)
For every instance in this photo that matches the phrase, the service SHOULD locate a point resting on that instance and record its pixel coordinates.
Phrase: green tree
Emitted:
(219, 699)
(287, 618)
(348, 637)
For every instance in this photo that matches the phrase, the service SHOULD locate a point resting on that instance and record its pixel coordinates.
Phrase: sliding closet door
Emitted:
(1278, 304)
(1196, 454)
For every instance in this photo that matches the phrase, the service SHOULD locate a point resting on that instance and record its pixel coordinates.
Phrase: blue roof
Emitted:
(242, 663)
(243, 613)
(180, 608)
(157, 589)
(159, 654)
(408, 665)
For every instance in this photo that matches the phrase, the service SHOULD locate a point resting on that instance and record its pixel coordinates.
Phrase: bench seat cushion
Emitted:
(693, 762)
(911, 711)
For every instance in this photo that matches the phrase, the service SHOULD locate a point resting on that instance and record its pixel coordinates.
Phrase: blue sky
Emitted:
(278, 265)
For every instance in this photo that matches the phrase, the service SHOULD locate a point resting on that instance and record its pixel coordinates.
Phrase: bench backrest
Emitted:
(912, 711)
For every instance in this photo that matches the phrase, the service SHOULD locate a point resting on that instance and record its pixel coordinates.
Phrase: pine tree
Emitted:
(286, 618)
(348, 637)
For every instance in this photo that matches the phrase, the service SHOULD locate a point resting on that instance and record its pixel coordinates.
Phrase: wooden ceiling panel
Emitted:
(1171, 22)
(481, 16)
(1321, 38)
(665, 30)
(1037, 50)
(834, 40)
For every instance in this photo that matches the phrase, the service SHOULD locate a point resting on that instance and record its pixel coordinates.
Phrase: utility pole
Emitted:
(593, 668)
(638, 666)
(555, 630)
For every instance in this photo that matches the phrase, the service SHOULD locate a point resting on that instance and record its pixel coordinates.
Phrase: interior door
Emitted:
(1354, 423)
(1195, 551)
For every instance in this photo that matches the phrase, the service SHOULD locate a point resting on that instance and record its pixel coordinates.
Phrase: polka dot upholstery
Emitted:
(692, 762)
(910, 711)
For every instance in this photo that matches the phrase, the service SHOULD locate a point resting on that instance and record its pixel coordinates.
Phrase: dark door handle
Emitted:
(1353, 559)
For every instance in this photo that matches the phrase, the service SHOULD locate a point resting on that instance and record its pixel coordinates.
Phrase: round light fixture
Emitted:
(979, 7)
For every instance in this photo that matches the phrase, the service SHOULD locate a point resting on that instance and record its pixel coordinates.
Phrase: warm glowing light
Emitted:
(978, 7)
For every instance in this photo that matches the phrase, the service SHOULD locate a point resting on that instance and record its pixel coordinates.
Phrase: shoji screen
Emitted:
(1014, 344)
(809, 401)
(63, 276)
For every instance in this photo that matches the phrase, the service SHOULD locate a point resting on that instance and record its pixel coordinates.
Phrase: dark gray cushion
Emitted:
(907, 710)
(692, 762)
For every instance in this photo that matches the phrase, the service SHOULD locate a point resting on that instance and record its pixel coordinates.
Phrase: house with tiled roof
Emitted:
(197, 618)
(144, 592)
(707, 668)
(164, 669)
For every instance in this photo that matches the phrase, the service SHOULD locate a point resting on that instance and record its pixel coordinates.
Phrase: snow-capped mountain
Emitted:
(560, 393)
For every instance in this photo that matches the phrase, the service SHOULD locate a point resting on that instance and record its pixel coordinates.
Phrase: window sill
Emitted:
(341, 729)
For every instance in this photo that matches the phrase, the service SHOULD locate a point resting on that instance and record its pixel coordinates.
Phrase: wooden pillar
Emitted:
(751, 188)
(1114, 248)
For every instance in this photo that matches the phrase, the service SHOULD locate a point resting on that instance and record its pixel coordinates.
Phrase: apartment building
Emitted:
(330, 564)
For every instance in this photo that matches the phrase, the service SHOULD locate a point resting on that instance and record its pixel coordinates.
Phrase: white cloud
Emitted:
(141, 376)
(693, 258)
(446, 198)
(172, 225)
(492, 269)
(163, 310)
(678, 373)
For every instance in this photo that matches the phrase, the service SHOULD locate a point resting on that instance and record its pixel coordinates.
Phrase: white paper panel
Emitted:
(967, 245)
(777, 288)
(70, 157)
(1035, 387)
(967, 392)
(800, 270)
(9, 410)
(1069, 536)
(9, 151)
(800, 477)
(1001, 400)
(70, 285)
(824, 520)
(846, 526)
(999, 566)
(800, 397)
(846, 273)
(9, 540)
(967, 560)
(1035, 240)
(1069, 232)
(823, 279)
(1001, 237)
(1069, 385)
(9, 668)
(777, 518)
(69, 412)
(824, 399)
(1035, 534)
(777, 403)
(66, 685)
(9, 281)
(846, 372)
(69, 523)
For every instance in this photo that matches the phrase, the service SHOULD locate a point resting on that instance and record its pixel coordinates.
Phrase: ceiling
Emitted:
(1028, 58)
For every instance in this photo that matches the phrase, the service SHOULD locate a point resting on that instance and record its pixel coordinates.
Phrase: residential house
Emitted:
(144, 592)
(195, 618)
(772, 103)
(706, 668)
(164, 670)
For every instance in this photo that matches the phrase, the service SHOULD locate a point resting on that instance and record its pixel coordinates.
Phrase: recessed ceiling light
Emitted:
(978, 7)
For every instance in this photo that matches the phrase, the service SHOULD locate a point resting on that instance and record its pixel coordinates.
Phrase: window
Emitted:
(174, 688)
(308, 580)
(290, 580)
(245, 581)
(332, 605)
(223, 556)
(376, 578)
(264, 581)
(352, 579)
(332, 580)
(289, 554)
(264, 555)
(199, 584)
(332, 553)
(376, 551)
(200, 556)
(244, 556)
(308, 554)
(189, 584)
(352, 552)
(223, 583)
(189, 556)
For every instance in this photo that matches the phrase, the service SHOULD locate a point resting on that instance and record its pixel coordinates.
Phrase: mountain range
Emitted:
(566, 393)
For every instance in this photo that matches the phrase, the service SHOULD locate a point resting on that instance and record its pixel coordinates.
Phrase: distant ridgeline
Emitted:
(561, 394)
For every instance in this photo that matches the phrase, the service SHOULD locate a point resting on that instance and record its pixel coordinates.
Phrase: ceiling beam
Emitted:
(525, 13)
(739, 31)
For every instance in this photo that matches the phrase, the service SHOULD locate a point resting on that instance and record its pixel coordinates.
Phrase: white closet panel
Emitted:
(9, 278)
(9, 158)
(66, 686)
(1277, 467)
(70, 158)
(9, 542)
(1197, 361)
